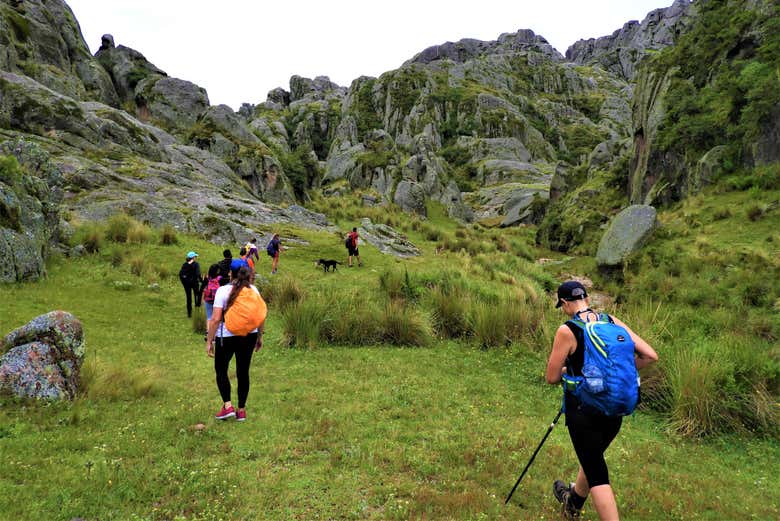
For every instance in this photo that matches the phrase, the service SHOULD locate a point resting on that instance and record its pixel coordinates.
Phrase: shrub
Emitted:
(402, 325)
(352, 321)
(138, 266)
(91, 236)
(397, 285)
(118, 227)
(449, 310)
(163, 271)
(755, 212)
(139, 233)
(302, 323)
(116, 257)
(168, 235)
(282, 292)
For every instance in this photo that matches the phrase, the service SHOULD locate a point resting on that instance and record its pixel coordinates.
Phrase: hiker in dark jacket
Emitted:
(224, 267)
(190, 278)
(590, 432)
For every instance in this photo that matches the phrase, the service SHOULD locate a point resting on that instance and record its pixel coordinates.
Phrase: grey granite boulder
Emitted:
(410, 196)
(387, 240)
(170, 102)
(227, 122)
(126, 66)
(43, 358)
(626, 234)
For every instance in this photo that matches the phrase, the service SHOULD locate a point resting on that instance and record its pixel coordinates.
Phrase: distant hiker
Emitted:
(246, 258)
(251, 249)
(236, 328)
(593, 413)
(273, 249)
(189, 275)
(351, 243)
(224, 267)
(213, 281)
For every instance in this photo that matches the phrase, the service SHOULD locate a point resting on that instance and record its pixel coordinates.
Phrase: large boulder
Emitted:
(126, 66)
(626, 234)
(410, 196)
(43, 358)
(170, 102)
(387, 240)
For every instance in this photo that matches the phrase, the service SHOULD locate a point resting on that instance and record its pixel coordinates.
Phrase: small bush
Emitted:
(119, 226)
(163, 271)
(449, 311)
(402, 325)
(755, 212)
(91, 236)
(168, 235)
(302, 323)
(282, 292)
(139, 233)
(352, 321)
(138, 266)
(397, 285)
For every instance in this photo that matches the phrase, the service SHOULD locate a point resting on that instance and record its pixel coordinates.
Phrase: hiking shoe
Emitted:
(224, 414)
(240, 415)
(562, 493)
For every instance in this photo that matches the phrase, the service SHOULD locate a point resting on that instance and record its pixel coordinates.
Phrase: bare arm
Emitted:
(563, 345)
(645, 354)
(216, 318)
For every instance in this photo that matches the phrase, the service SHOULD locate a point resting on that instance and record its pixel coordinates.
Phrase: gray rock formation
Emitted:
(622, 51)
(410, 196)
(387, 240)
(42, 359)
(171, 103)
(626, 234)
(30, 196)
(469, 49)
(126, 66)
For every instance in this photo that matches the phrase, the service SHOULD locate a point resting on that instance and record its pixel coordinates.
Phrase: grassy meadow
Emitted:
(406, 389)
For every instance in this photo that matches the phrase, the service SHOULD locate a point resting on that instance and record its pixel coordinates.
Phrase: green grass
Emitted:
(338, 430)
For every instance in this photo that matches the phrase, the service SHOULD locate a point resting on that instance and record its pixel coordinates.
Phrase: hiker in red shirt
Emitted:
(352, 247)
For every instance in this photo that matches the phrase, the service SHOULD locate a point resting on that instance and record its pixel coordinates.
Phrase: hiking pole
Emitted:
(549, 430)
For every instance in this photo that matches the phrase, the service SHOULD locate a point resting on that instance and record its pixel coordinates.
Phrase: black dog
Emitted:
(325, 263)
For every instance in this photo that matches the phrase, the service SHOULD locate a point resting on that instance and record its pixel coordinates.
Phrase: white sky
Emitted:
(239, 50)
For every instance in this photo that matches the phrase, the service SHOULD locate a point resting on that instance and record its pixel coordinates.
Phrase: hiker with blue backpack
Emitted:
(596, 357)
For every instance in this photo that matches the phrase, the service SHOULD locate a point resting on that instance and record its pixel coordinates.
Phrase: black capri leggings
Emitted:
(225, 348)
(591, 435)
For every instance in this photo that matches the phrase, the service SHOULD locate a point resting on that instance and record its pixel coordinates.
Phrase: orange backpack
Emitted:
(246, 313)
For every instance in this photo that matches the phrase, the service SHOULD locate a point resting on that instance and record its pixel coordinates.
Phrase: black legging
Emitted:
(243, 347)
(189, 290)
(591, 435)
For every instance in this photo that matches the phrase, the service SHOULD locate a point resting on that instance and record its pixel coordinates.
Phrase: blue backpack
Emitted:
(609, 383)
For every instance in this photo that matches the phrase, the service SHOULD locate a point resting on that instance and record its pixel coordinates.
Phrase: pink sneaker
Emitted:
(224, 414)
(240, 416)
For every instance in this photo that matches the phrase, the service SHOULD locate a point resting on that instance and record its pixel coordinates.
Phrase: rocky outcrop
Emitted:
(126, 66)
(387, 240)
(469, 49)
(170, 103)
(42, 40)
(626, 234)
(43, 358)
(30, 196)
(622, 51)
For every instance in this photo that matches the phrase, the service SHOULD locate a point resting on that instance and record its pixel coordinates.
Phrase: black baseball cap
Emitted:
(570, 290)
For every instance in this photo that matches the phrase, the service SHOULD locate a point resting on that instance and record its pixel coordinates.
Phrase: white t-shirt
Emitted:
(220, 301)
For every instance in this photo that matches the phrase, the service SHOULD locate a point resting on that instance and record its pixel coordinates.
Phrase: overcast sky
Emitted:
(239, 50)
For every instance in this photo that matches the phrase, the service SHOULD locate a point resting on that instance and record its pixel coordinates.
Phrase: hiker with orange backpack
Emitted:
(236, 328)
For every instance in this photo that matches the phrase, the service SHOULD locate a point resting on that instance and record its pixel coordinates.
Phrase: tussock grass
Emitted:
(118, 227)
(168, 235)
(139, 233)
(302, 323)
(91, 235)
(282, 291)
(403, 325)
(199, 322)
(116, 382)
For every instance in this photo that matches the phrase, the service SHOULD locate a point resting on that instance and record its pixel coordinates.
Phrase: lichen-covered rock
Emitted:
(126, 66)
(170, 102)
(410, 196)
(30, 196)
(387, 240)
(43, 358)
(627, 232)
(622, 51)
